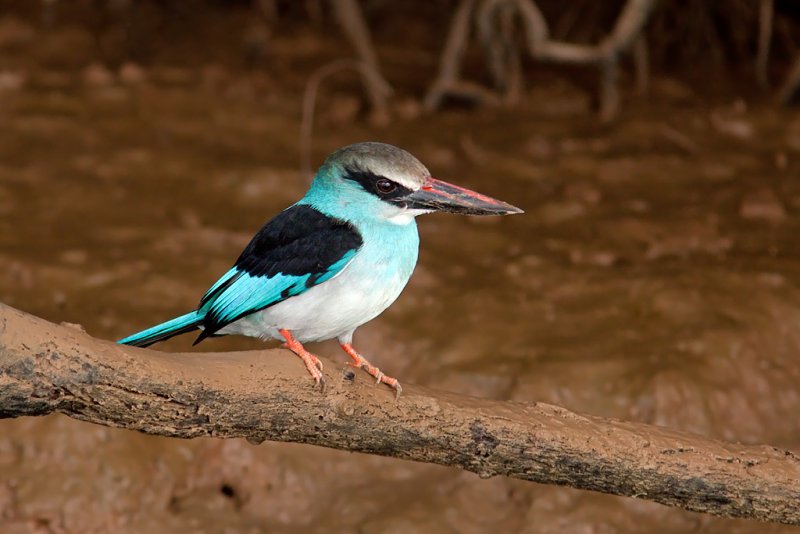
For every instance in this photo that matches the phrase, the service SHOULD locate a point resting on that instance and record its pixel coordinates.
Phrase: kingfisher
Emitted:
(331, 262)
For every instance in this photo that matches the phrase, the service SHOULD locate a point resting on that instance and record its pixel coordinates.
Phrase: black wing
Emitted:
(298, 249)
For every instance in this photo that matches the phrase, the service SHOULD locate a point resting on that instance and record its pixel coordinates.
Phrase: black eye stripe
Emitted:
(376, 184)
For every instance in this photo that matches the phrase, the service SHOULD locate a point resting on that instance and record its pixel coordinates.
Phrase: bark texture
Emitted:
(267, 395)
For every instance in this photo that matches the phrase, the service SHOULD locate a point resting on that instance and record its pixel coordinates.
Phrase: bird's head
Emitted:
(380, 181)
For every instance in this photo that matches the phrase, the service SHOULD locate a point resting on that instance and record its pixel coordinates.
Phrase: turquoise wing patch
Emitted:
(238, 294)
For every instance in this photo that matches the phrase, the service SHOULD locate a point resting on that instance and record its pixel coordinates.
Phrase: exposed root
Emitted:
(495, 18)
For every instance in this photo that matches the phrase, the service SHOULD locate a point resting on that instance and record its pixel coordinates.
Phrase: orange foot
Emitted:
(313, 364)
(360, 361)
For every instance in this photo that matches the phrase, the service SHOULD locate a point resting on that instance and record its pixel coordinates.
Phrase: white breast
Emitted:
(335, 308)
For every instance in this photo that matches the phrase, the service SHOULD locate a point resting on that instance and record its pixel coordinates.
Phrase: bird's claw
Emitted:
(389, 381)
(392, 383)
(312, 363)
(320, 382)
(362, 363)
(314, 367)
(380, 377)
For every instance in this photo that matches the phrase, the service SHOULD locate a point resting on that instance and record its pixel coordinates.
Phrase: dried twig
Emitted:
(310, 99)
(452, 55)
(790, 83)
(765, 19)
(679, 139)
(641, 61)
(349, 16)
(609, 89)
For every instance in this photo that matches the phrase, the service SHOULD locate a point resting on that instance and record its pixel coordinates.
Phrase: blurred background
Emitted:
(654, 276)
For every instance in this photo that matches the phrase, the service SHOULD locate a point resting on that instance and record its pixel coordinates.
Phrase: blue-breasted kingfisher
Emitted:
(331, 262)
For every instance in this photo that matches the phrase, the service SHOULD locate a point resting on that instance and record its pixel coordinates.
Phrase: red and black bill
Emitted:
(437, 195)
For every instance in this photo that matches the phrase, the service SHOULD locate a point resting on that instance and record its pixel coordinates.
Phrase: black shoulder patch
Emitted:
(300, 240)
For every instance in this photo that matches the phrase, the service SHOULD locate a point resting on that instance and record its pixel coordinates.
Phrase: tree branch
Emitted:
(266, 395)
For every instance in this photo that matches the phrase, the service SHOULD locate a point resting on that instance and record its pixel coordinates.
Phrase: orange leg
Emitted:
(313, 364)
(360, 361)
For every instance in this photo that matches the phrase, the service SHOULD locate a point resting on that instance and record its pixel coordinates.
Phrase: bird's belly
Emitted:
(332, 309)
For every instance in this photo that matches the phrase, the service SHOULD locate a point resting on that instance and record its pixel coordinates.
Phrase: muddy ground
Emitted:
(654, 277)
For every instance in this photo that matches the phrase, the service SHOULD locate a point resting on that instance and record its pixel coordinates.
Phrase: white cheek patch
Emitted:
(405, 216)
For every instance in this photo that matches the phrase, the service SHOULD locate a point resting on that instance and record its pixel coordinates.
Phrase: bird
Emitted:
(332, 261)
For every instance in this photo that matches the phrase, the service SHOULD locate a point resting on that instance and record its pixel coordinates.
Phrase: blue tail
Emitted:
(160, 332)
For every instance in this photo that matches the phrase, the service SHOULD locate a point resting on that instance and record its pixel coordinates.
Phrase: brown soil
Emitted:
(654, 278)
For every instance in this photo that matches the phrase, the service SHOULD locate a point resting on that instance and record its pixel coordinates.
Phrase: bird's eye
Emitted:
(385, 186)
